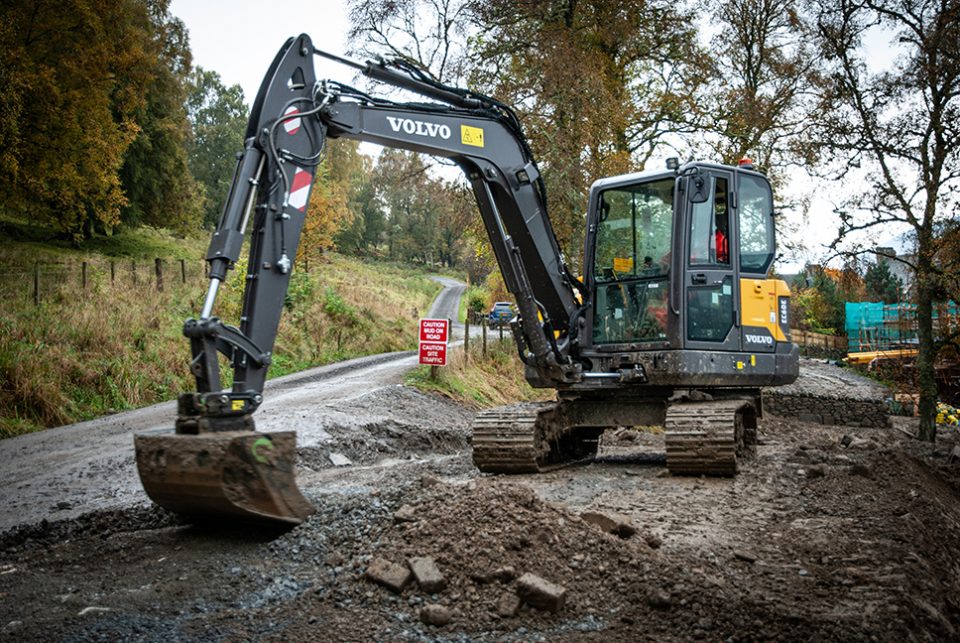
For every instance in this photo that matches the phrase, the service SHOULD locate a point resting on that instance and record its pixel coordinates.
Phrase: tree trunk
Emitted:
(927, 353)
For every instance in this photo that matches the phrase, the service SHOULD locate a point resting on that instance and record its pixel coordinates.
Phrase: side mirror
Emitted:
(698, 189)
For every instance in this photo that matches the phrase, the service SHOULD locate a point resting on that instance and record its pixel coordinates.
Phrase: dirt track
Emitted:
(813, 540)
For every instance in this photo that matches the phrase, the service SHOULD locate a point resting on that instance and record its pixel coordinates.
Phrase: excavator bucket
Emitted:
(242, 474)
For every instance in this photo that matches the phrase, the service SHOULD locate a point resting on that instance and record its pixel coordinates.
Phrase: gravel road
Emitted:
(69, 471)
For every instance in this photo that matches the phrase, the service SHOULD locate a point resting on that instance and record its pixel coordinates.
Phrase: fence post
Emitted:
(483, 325)
(83, 275)
(466, 339)
(500, 324)
(183, 271)
(134, 264)
(36, 283)
(113, 271)
(159, 267)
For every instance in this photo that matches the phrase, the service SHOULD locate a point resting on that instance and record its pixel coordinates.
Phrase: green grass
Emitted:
(481, 381)
(118, 344)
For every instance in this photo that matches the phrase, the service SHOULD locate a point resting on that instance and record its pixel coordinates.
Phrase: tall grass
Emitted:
(115, 346)
(481, 381)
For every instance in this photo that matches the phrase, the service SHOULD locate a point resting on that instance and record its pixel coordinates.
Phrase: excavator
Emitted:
(673, 323)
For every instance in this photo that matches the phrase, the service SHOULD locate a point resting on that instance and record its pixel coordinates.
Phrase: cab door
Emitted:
(711, 283)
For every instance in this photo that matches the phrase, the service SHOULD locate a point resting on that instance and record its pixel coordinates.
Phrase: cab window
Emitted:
(756, 225)
(710, 227)
(634, 231)
(632, 263)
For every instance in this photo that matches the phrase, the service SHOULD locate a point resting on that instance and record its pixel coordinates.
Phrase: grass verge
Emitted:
(481, 381)
(118, 344)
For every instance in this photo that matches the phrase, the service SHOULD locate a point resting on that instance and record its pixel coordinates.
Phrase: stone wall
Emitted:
(806, 408)
(828, 394)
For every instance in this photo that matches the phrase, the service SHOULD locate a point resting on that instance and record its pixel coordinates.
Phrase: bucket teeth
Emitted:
(227, 474)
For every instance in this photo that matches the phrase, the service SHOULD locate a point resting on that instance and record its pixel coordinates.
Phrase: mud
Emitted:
(829, 533)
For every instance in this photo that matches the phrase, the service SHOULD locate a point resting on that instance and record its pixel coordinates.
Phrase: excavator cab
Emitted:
(678, 263)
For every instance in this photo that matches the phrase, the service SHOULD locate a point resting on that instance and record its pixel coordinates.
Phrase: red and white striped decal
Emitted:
(293, 125)
(300, 189)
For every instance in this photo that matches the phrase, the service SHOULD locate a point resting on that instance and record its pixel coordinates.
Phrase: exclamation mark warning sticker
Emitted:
(471, 135)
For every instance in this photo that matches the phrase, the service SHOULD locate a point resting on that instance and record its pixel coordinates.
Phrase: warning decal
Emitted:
(471, 135)
(300, 189)
(292, 126)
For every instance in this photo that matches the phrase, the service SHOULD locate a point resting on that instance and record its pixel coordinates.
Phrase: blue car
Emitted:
(501, 314)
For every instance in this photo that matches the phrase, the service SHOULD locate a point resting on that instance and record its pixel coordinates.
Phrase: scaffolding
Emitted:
(880, 327)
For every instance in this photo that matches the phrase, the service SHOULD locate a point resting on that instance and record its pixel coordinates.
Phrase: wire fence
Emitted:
(44, 279)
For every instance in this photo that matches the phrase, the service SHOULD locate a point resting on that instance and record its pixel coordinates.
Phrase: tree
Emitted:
(155, 175)
(428, 33)
(760, 90)
(218, 121)
(881, 284)
(74, 76)
(902, 127)
(819, 306)
(599, 86)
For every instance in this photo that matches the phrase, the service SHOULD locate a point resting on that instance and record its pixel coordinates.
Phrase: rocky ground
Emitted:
(830, 533)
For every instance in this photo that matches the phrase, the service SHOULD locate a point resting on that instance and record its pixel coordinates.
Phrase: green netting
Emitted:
(877, 326)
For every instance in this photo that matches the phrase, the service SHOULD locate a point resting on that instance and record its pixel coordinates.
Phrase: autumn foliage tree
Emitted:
(155, 176)
(92, 125)
(74, 77)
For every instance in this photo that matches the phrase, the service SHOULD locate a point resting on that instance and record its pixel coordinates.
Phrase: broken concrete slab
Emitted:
(612, 523)
(389, 574)
(540, 593)
(427, 575)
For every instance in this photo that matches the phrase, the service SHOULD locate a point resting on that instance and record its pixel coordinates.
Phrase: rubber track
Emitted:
(701, 437)
(506, 439)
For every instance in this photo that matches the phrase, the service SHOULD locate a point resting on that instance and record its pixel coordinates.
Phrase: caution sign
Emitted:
(433, 354)
(434, 330)
(471, 135)
(434, 335)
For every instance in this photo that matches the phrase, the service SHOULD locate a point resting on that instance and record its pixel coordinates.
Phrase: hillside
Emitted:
(88, 330)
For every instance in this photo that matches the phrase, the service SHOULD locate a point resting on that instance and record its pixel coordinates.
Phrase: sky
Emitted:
(239, 38)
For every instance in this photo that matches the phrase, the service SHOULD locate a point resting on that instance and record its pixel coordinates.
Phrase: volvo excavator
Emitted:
(674, 323)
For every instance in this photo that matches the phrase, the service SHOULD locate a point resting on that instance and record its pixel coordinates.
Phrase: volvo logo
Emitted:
(419, 128)
(758, 339)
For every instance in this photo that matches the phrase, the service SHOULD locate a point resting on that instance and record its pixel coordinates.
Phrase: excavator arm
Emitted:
(216, 463)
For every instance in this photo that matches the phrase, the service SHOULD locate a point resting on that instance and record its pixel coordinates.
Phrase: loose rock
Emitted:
(392, 576)
(659, 599)
(427, 575)
(406, 513)
(434, 614)
(611, 523)
(508, 605)
(745, 556)
(504, 574)
(541, 593)
(653, 541)
(340, 460)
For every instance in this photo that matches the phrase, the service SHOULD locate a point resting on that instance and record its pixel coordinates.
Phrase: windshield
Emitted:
(632, 262)
(634, 231)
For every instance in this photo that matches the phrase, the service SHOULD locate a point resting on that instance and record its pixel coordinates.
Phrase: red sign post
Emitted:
(434, 335)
